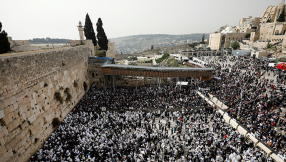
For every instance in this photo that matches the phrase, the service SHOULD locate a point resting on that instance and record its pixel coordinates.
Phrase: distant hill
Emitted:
(138, 43)
(48, 41)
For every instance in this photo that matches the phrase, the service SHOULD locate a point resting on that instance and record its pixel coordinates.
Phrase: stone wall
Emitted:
(87, 43)
(29, 109)
(111, 50)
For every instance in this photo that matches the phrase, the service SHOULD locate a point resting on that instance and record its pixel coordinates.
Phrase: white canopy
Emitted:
(271, 64)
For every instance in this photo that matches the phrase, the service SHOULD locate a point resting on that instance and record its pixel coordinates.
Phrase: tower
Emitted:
(80, 30)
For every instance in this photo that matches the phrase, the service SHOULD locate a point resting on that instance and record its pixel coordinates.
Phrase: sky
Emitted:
(28, 19)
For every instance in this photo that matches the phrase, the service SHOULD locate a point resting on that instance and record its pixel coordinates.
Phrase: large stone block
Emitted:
(3, 150)
(32, 118)
(2, 115)
(1, 105)
(7, 156)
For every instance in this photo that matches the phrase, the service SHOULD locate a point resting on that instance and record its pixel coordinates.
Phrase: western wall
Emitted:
(37, 91)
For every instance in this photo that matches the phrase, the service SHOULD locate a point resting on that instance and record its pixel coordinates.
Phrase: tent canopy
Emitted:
(281, 66)
(271, 64)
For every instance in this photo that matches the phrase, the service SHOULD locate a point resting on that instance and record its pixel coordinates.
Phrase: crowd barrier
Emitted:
(233, 123)
(252, 138)
(243, 131)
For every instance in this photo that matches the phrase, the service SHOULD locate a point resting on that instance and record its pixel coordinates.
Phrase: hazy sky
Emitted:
(27, 19)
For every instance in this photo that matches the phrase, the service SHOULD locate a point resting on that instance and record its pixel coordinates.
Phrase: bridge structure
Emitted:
(159, 72)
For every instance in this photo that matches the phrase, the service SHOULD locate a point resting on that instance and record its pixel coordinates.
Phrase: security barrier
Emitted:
(266, 150)
(226, 118)
(276, 158)
(233, 124)
(241, 130)
(252, 138)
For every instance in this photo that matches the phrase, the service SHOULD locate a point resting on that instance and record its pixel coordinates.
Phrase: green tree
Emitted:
(247, 35)
(268, 45)
(281, 18)
(4, 43)
(235, 45)
(100, 54)
(88, 30)
(203, 39)
(102, 39)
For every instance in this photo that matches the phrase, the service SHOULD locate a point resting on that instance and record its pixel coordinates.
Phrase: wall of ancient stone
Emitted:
(29, 108)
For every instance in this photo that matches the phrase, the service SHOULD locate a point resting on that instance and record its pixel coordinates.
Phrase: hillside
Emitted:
(139, 43)
(48, 41)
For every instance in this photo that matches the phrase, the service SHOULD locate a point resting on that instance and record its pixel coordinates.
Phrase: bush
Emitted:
(235, 45)
(85, 86)
(247, 35)
(268, 45)
(58, 96)
(100, 54)
(67, 90)
(132, 58)
(56, 122)
(68, 97)
(165, 56)
(75, 84)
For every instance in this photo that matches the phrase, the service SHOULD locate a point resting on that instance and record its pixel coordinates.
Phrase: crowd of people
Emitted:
(140, 98)
(255, 94)
(186, 135)
(152, 123)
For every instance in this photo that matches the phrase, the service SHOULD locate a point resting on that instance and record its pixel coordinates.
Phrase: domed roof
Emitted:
(228, 29)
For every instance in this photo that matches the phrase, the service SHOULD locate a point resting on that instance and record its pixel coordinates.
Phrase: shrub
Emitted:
(85, 86)
(68, 97)
(75, 84)
(67, 90)
(165, 56)
(247, 35)
(268, 45)
(100, 54)
(58, 96)
(56, 122)
(235, 45)
(132, 58)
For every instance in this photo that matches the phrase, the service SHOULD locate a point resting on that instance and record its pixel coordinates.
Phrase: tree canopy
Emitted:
(88, 30)
(235, 45)
(102, 39)
(268, 45)
(203, 39)
(4, 43)
(281, 18)
(247, 35)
